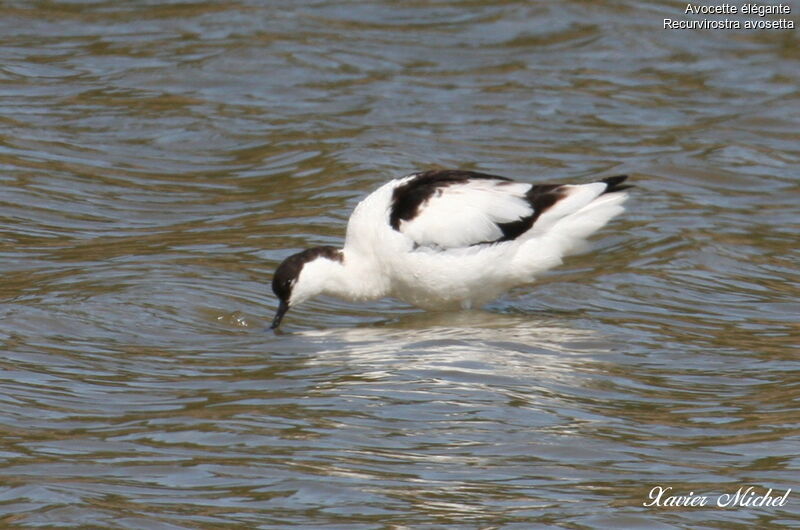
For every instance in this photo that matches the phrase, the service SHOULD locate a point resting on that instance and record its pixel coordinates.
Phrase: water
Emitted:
(158, 159)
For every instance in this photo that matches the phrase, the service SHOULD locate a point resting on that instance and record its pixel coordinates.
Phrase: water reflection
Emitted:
(464, 348)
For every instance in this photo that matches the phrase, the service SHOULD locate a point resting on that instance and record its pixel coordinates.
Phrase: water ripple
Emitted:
(159, 159)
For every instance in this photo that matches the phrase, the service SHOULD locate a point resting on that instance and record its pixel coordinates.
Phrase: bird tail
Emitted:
(567, 234)
(571, 232)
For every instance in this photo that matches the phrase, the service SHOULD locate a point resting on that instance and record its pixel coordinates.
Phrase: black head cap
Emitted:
(287, 273)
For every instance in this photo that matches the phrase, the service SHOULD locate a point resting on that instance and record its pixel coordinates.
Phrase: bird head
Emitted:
(301, 276)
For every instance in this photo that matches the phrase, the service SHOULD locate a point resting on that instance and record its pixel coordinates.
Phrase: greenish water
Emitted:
(158, 159)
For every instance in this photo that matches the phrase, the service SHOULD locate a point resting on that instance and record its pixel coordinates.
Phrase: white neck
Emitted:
(355, 278)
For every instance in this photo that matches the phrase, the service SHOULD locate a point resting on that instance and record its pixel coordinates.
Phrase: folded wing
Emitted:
(455, 209)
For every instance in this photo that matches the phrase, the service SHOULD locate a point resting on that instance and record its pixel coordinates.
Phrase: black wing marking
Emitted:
(410, 201)
(614, 183)
(408, 197)
(542, 196)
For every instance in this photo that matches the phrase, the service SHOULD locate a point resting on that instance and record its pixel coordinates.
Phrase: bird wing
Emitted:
(456, 209)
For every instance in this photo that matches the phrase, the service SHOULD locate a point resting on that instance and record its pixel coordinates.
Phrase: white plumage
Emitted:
(467, 213)
(450, 239)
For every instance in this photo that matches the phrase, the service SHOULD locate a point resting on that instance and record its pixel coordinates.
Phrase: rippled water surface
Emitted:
(158, 159)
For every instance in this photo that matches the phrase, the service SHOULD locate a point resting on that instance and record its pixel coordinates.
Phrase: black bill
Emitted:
(282, 309)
